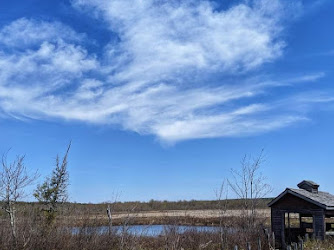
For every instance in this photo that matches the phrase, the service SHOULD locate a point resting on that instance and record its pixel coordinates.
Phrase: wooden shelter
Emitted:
(297, 212)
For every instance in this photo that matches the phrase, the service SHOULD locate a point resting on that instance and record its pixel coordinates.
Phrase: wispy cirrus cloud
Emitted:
(24, 33)
(168, 39)
(167, 70)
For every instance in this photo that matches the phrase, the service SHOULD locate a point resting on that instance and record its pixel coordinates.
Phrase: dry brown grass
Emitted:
(328, 244)
(185, 217)
(33, 234)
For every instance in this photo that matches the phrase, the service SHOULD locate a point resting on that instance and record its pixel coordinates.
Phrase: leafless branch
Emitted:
(14, 178)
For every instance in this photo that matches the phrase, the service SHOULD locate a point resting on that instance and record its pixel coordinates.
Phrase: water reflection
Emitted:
(144, 230)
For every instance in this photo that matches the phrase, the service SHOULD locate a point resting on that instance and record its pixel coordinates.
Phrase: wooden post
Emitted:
(306, 237)
(289, 229)
(301, 245)
(110, 218)
(268, 239)
(249, 246)
(259, 244)
(295, 246)
(273, 238)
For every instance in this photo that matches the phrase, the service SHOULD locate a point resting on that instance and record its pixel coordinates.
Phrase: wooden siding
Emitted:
(277, 226)
(319, 224)
(291, 202)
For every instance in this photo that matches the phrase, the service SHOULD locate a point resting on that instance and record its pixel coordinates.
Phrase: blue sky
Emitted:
(162, 98)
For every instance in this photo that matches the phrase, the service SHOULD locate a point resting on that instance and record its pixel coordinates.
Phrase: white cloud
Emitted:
(153, 80)
(163, 40)
(48, 63)
(24, 32)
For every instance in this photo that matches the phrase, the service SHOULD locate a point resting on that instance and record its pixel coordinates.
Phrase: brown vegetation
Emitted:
(34, 234)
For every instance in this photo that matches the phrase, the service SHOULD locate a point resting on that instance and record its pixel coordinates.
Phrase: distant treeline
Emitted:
(180, 205)
(82, 208)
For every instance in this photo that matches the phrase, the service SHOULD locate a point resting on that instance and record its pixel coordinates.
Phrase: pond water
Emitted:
(145, 230)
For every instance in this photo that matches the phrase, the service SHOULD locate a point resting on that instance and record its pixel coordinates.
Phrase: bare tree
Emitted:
(222, 209)
(110, 210)
(14, 178)
(250, 185)
(54, 189)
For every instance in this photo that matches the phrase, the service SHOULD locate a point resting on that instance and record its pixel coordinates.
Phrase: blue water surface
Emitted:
(144, 230)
